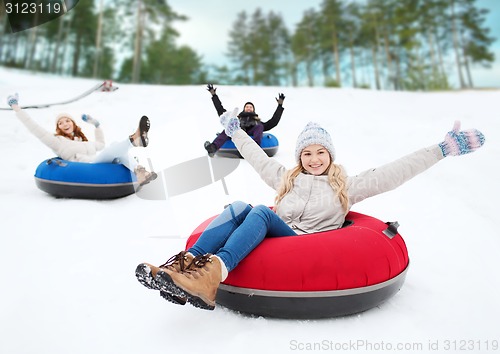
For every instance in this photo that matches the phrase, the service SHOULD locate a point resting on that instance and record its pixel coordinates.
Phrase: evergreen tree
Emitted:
(276, 49)
(240, 50)
(433, 22)
(166, 64)
(105, 56)
(306, 46)
(398, 44)
(84, 24)
(407, 46)
(147, 15)
(455, 30)
(332, 24)
(370, 39)
(259, 48)
(354, 36)
(474, 38)
(221, 75)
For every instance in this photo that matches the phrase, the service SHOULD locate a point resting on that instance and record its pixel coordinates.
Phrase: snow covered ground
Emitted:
(67, 266)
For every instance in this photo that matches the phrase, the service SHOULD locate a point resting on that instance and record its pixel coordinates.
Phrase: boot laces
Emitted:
(197, 265)
(200, 261)
(180, 258)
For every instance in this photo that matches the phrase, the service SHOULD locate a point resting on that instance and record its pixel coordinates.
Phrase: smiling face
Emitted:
(248, 108)
(315, 159)
(66, 126)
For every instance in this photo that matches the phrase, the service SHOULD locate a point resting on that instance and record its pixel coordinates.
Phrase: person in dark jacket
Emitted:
(249, 121)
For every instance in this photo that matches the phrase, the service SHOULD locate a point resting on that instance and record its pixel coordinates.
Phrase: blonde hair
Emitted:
(336, 179)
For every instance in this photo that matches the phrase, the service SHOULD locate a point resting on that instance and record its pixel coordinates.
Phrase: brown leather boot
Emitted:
(146, 273)
(199, 284)
(143, 176)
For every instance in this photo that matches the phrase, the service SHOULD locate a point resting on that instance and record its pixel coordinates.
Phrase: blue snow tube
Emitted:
(67, 179)
(269, 144)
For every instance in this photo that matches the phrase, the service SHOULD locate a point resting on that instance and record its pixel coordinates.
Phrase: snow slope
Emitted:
(67, 266)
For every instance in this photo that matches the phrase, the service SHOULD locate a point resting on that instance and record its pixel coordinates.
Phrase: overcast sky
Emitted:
(209, 23)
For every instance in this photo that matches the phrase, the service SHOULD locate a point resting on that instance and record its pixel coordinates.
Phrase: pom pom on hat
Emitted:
(312, 134)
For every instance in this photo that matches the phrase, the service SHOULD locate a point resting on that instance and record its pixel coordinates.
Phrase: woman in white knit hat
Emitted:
(69, 142)
(314, 196)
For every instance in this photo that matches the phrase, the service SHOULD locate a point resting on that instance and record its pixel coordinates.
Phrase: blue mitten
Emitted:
(13, 99)
(463, 142)
(90, 120)
(230, 122)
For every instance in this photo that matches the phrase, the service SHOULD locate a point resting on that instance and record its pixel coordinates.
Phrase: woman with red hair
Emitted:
(70, 143)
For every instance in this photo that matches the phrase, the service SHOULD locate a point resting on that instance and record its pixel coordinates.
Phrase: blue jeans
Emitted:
(238, 230)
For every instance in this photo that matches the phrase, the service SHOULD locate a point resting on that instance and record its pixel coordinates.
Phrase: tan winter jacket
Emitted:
(312, 206)
(71, 150)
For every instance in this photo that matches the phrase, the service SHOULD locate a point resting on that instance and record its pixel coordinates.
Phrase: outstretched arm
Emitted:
(275, 119)
(269, 169)
(100, 143)
(215, 99)
(392, 175)
(43, 135)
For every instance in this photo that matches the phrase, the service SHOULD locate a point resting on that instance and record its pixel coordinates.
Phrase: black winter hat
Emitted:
(250, 104)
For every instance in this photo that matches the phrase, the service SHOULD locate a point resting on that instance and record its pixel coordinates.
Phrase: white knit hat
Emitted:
(312, 134)
(64, 115)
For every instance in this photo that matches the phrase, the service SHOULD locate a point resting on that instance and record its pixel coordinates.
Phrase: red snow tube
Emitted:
(320, 275)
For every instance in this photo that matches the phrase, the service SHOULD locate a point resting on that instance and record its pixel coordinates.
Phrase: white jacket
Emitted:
(312, 204)
(71, 150)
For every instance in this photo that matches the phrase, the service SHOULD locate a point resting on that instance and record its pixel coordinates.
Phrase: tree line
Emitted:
(92, 38)
(379, 44)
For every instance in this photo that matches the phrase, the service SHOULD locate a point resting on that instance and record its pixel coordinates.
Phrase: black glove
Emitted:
(280, 99)
(211, 89)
